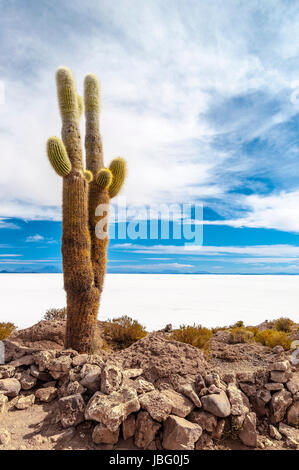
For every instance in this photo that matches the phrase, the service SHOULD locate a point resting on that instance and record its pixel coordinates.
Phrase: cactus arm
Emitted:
(93, 141)
(104, 178)
(69, 111)
(118, 169)
(58, 156)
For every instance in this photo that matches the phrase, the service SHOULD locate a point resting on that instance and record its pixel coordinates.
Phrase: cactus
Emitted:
(84, 255)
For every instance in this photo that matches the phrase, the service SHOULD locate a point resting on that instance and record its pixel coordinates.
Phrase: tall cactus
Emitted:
(84, 253)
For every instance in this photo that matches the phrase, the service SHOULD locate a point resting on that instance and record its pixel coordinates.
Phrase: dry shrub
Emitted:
(195, 335)
(272, 338)
(238, 324)
(6, 329)
(120, 333)
(241, 335)
(283, 324)
(55, 314)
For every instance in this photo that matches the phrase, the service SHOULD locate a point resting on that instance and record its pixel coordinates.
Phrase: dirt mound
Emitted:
(164, 361)
(46, 334)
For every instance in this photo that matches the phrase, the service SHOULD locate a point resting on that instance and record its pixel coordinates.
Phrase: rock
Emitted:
(259, 406)
(205, 442)
(237, 423)
(3, 401)
(264, 395)
(180, 434)
(43, 358)
(229, 377)
(280, 366)
(71, 410)
(248, 377)
(23, 361)
(46, 394)
(212, 379)
(91, 377)
(129, 426)
(189, 392)
(49, 384)
(199, 383)
(291, 443)
(143, 386)
(64, 435)
(112, 409)
(277, 349)
(5, 437)
(236, 400)
(111, 379)
(75, 374)
(217, 404)
(213, 389)
(289, 432)
(274, 386)
(80, 360)
(25, 402)
(157, 404)
(102, 435)
(43, 376)
(27, 381)
(293, 384)
(218, 431)
(181, 405)
(146, 429)
(279, 403)
(60, 366)
(132, 373)
(296, 396)
(248, 389)
(282, 377)
(75, 387)
(10, 387)
(274, 433)
(248, 434)
(293, 414)
(206, 421)
(7, 371)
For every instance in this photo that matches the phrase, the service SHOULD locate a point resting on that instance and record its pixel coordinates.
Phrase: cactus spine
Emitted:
(84, 255)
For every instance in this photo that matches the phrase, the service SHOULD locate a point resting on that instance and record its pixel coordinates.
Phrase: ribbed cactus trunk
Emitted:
(84, 254)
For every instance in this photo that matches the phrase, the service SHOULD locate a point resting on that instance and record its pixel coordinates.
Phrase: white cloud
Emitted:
(162, 67)
(255, 250)
(39, 238)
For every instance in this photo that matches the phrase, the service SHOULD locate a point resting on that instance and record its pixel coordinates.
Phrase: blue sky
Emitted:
(199, 97)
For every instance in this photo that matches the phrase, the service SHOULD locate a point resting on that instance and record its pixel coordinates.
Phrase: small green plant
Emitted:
(121, 332)
(6, 329)
(238, 324)
(55, 314)
(195, 335)
(272, 338)
(283, 324)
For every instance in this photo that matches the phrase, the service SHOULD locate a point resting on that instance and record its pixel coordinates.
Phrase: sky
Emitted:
(201, 98)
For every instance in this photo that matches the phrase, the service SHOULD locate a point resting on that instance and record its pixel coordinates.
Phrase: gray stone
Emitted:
(10, 387)
(248, 433)
(181, 405)
(180, 434)
(157, 404)
(279, 403)
(146, 429)
(111, 379)
(217, 404)
(102, 435)
(71, 410)
(91, 377)
(112, 409)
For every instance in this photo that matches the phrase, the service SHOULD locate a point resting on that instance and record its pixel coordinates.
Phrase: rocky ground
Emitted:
(156, 394)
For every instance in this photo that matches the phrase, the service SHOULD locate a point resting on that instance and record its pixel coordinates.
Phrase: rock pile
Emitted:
(173, 402)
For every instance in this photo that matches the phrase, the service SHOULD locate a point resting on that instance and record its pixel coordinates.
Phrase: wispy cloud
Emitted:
(39, 238)
(183, 98)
